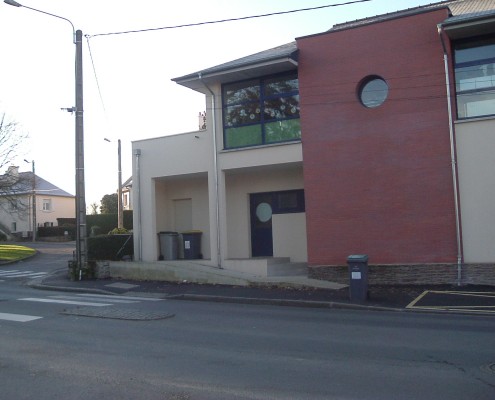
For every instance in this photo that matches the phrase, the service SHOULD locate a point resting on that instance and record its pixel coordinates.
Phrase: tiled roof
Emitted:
(43, 187)
(288, 50)
(459, 9)
(472, 7)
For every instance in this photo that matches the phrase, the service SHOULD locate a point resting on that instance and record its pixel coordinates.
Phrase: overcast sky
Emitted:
(134, 71)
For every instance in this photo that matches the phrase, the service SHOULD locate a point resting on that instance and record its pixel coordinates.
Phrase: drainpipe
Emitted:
(215, 166)
(453, 157)
(137, 193)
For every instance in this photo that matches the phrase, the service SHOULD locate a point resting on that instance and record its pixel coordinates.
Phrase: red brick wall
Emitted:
(377, 181)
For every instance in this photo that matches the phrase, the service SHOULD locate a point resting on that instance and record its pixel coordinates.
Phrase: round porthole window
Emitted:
(264, 212)
(373, 91)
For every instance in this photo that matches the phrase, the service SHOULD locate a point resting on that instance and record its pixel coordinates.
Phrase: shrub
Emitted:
(118, 231)
(110, 247)
(94, 231)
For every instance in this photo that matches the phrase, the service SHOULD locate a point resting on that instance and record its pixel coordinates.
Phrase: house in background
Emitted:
(16, 204)
(127, 194)
(374, 137)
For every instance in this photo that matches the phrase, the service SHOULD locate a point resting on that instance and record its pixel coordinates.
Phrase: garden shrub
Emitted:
(110, 247)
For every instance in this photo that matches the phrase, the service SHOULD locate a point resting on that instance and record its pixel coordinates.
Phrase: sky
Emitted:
(128, 92)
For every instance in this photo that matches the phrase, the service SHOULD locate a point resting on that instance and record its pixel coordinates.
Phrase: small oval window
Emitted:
(373, 91)
(264, 212)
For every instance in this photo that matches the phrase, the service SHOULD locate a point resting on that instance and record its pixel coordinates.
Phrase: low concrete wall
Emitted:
(421, 274)
(179, 271)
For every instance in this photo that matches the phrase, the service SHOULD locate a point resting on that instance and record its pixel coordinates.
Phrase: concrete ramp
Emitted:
(198, 271)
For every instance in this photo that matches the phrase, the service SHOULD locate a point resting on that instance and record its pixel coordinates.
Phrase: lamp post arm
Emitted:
(16, 4)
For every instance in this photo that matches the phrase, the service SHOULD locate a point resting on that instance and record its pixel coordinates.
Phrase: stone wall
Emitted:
(415, 274)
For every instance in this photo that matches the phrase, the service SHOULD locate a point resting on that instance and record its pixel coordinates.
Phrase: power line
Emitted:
(230, 19)
(96, 76)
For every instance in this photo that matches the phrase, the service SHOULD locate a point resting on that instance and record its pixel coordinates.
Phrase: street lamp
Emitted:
(81, 240)
(33, 204)
(120, 209)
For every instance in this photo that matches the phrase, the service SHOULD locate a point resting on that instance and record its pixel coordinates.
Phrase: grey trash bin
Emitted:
(169, 245)
(192, 245)
(358, 277)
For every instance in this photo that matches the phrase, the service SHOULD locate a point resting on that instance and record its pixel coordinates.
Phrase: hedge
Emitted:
(97, 224)
(51, 231)
(110, 247)
(104, 223)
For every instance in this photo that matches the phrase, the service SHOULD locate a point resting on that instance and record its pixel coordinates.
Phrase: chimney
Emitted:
(13, 171)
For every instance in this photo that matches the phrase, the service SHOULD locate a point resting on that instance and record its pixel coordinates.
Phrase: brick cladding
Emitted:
(378, 181)
(421, 274)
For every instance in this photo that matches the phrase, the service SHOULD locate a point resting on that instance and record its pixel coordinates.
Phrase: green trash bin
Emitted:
(191, 244)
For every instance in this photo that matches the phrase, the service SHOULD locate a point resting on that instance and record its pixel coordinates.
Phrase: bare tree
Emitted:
(15, 187)
(94, 208)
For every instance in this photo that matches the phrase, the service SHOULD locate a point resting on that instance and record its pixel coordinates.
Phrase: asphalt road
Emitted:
(193, 350)
(71, 346)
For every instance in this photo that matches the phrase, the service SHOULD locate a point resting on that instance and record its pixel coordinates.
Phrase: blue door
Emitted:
(261, 225)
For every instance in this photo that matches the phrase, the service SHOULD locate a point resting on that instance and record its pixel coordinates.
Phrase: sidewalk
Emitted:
(381, 298)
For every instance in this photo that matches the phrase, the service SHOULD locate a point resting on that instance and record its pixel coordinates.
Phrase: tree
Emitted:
(12, 183)
(93, 208)
(109, 204)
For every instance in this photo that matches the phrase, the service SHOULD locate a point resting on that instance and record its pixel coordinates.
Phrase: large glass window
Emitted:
(475, 78)
(261, 111)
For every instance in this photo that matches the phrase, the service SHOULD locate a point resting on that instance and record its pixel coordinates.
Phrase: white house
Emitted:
(16, 203)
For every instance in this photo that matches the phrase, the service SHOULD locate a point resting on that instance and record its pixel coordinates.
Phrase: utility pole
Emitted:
(120, 209)
(33, 202)
(81, 239)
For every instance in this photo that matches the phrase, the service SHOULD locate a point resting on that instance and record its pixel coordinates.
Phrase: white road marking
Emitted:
(18, 317)
(95, 299)
(19, 274)
(111, 297)
(70, 302)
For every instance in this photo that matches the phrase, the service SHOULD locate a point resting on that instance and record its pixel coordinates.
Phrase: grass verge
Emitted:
(10, 252)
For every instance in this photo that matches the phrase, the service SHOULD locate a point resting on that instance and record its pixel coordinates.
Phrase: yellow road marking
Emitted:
(473, 309)
(412, 303)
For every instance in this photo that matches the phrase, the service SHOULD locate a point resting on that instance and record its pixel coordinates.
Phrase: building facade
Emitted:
(371, 138)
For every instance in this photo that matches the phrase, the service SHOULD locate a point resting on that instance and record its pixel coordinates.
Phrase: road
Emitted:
(75, 347)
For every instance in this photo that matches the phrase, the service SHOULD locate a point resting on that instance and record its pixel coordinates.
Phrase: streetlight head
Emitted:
(12, 3)
(106, 140)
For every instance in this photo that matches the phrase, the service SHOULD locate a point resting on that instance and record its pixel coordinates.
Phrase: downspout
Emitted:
(215, 166)
(453, 157)
(137, 194)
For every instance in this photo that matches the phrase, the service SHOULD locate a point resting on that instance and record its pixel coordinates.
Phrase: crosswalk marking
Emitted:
(18, 317)
(112, 297)
(80, 299)
(20, 274)
(97, 299)
(70, 302)
(91, 300)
